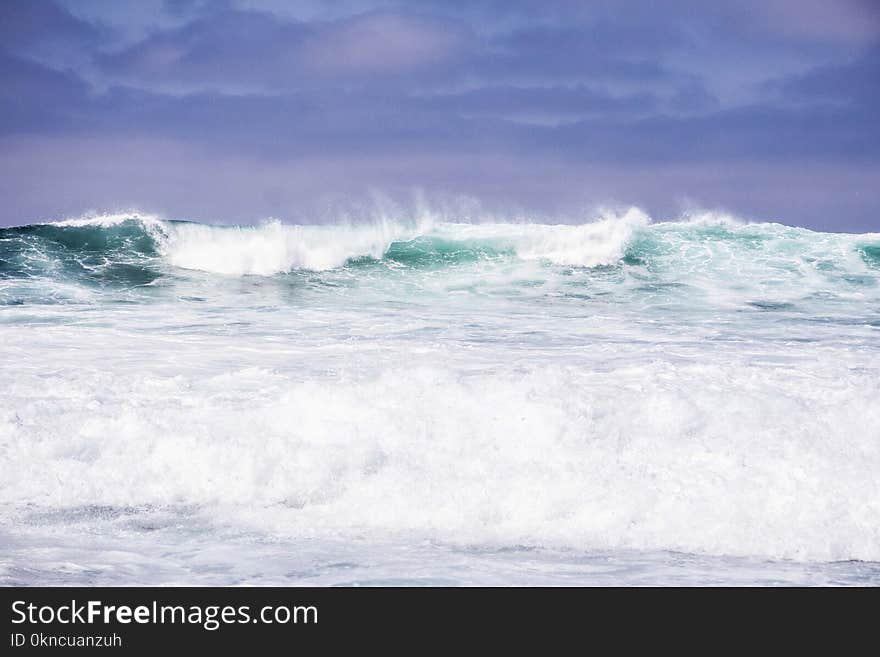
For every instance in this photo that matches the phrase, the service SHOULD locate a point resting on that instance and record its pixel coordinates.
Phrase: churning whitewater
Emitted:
(406, 401)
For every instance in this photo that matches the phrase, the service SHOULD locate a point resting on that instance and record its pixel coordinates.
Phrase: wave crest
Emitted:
(273, 247)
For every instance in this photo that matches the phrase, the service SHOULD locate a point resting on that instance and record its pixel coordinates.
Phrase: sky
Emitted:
(236, 111)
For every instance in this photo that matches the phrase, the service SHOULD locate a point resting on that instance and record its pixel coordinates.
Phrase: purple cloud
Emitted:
(265, 108)
(236, 50)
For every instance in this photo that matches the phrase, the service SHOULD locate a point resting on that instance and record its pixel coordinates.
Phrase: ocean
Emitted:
(425, 401)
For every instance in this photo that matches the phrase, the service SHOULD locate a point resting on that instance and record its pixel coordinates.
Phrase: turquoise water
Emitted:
(622, 401)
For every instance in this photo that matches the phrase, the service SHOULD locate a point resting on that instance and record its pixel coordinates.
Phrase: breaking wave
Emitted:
(705, 385)
(102, 244)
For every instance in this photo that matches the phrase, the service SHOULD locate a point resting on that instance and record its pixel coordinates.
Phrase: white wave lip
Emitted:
(273, 247)
(600, 242)
(110, 219)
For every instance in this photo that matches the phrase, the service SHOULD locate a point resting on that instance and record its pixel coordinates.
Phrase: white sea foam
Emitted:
(578, 455)
(713, 394)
